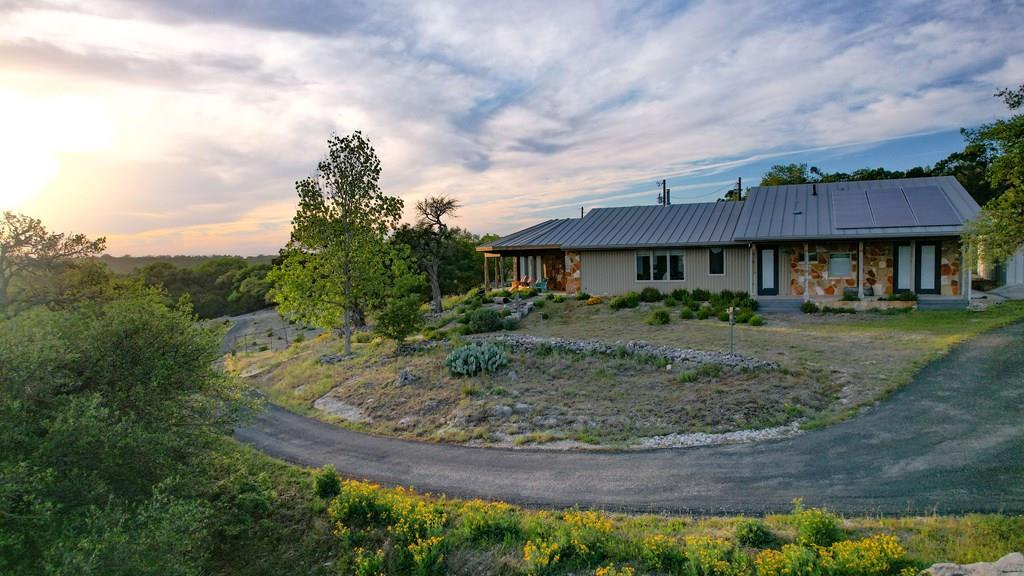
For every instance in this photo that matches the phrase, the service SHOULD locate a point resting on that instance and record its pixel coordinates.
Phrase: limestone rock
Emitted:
(1010, 565)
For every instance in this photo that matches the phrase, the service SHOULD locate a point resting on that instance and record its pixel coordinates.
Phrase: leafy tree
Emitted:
(30, 255)
(218, 286)
(107, 411)
(782, 174)
(432, 243)
(998, 232)
(335, 261)
(398, 315)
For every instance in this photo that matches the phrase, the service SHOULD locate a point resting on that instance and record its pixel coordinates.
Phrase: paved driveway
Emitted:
(950, 441)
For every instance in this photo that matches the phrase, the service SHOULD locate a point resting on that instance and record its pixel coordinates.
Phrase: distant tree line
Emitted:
(218, 286)
(129, 264)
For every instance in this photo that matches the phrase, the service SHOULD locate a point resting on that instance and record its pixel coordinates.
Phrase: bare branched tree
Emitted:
(436, 239)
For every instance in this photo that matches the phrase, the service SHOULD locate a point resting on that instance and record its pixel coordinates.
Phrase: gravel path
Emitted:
(951, 441)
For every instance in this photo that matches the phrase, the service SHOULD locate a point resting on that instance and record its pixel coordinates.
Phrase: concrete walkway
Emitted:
(951, 441)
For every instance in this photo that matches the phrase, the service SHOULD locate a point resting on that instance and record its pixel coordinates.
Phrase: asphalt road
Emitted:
(951, 441)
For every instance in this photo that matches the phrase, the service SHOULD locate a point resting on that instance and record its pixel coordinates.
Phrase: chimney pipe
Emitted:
(814, 189)
(581, 211)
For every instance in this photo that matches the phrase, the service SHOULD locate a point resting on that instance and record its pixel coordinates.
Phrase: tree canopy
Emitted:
(336, 259)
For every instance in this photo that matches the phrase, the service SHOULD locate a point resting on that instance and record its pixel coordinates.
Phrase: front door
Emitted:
(767, 268)
(928, 268)
(903, 267)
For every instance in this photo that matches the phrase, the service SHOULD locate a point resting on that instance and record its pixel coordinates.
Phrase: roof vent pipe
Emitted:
(814, 189)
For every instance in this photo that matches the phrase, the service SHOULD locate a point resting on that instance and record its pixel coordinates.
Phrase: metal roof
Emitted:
(547, 234)
(937, 206)
(707, 223)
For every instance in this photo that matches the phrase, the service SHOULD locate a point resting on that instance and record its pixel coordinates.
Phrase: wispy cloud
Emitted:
(522, 110)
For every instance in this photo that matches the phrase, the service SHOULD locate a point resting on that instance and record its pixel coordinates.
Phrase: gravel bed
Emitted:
(702, 439)
(525, 343)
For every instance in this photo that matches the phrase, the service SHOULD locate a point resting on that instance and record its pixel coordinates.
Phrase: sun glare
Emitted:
(35, 135)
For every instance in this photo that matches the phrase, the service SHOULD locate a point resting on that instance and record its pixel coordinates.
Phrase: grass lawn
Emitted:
(832, 365)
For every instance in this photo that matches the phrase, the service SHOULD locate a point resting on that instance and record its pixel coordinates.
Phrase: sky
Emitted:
(181, 126)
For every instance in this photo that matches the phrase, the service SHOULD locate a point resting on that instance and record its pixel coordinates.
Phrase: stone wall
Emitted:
(572, 272)
(554, 271)
(820, 285)
(878, 268)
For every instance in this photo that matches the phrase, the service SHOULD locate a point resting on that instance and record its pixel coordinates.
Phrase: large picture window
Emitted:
(660, 265)
(643, 265)
(716, 261)
(840, 264)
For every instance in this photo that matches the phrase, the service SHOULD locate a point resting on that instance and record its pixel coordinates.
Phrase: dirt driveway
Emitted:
(951, 441)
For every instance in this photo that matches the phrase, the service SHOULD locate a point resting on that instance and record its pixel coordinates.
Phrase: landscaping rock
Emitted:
(335, 358)
(1010, 565)
(335, 406)
(500, 411)
(406, 378)
(526, 343)
(738, 437)
(522, 408)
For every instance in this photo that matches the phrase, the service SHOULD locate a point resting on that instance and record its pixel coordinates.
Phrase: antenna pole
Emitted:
(581, 211)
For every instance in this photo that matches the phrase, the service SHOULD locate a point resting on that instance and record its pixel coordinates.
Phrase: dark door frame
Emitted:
(896, 267)
(775, 267)
(938, 267)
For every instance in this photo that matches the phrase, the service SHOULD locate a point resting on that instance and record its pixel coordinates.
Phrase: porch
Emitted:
(548, 269)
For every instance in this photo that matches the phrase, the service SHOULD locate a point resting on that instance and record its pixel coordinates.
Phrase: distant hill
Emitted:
(128, 264)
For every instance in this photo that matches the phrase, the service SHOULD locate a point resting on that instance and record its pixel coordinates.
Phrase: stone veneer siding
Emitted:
(878, 269)
(572, 272)
(820, 285)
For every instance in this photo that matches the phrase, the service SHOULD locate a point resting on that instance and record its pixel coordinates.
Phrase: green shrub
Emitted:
(756, 320)
(681, 294)
(659, 317)
(703, 313)
(482, 522)
(651, 294)
(744, 316)
(703, 371)
(545, 316)
(815, 526)
(850, 297)
(362, 337)
(559, 299)
(671, 302)
(538, 304)
(686, 313)
(627, 300)
(701, 295)
(399, 318)
(808, 307)
(300, 337)
(583, 296)
(511, 323)
(326, 482)
(904, 297)
(837, 310)
(471, 359)
(723, 315)
(484, 320)
(499, 294)
(754, 533)
(550, 296)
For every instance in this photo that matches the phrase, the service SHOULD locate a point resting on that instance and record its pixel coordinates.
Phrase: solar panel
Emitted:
(931, 206)
(890, 208)
(850, 209)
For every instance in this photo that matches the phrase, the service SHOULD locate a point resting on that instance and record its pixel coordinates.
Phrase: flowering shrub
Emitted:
(368, 564)
(611, 570)
(427, 556)
(484, 522)
(791, 560)
(587, 533)
(714, 557)
(540, 556)
(815, 526)
(406, 516)
(661, 553)
(875, 556)
(594, 301)
(754, 533)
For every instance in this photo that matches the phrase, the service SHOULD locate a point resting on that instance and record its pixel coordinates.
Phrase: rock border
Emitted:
(526, 343)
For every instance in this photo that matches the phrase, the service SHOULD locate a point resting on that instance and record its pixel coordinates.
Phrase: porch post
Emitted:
(965, 271)
(501, 271)
(807, 274)
(487, 280)
(750, 262)
(860, 269)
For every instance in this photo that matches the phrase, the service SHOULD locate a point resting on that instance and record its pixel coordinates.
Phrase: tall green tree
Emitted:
(30, 256)
(998, 231)
(336, 259)
(782, 174)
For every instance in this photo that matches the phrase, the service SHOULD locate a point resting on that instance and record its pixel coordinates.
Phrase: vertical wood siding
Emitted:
(614, 272)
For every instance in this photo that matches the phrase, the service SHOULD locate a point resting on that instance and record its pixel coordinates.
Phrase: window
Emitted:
(660, 265)
(676, 265)
(840, 264)
(643, 265)
(716, 261)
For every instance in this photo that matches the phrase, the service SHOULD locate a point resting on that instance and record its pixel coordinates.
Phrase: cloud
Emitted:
(522, 110)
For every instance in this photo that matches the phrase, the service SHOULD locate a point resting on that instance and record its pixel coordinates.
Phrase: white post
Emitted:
(860, 269)
(965, 270)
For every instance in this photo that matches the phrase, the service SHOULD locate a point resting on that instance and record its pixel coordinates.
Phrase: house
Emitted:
(783, 244)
